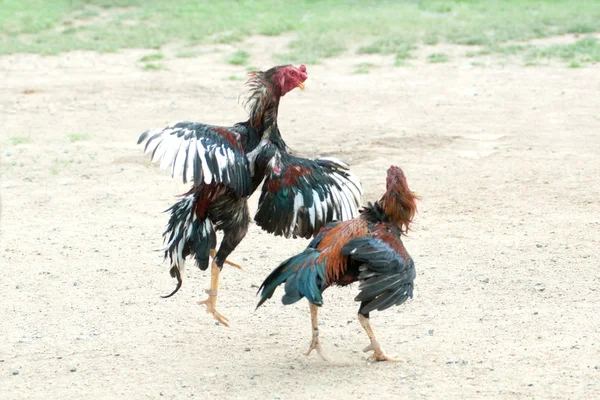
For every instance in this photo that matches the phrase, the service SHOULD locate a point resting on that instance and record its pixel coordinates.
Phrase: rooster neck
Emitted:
(262, 103)
(388, 215)
(374, 213)
(265, 114)
(399, 206)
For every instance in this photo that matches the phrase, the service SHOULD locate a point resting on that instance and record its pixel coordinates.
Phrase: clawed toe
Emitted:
(315, 345)
(211, 309)
(213, 253)
(220, 317)
(238, 266)
(379, 354)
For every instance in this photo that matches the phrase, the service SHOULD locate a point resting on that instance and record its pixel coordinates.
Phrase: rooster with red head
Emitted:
(367, 249)
(227, 164)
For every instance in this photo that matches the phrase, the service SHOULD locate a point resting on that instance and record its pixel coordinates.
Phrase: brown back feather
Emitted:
(332, 243)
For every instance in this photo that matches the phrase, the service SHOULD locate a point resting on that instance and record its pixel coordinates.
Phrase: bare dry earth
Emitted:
(506, 243)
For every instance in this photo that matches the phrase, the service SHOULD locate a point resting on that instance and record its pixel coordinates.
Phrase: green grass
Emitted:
(401, 61)
(431, 40)
(363, 68)
(534, 63)
(308, 49)
(154, 67)
(388, 46)
(234, 78)
(438, 58)
(15, 140)
(240, 57)
(77, 137)
(584, 50)
(505, 51)
(60, 164)
(582, 28)
(152, 57)
(478, 53)
(322, 29)
(399, 46)
(189, 54)
(574, 54)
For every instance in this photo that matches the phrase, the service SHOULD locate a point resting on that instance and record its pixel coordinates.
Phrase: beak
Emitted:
(301, 85)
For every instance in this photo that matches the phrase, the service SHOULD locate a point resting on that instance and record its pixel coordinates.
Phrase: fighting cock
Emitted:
(227, 164)
(367, 249)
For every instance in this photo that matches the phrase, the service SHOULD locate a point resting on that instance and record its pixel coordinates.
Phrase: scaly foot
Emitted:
(378, 353)
(213, 253)
(211, 307)
(315, 345)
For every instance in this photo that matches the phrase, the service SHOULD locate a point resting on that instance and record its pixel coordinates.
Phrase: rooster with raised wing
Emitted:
(227, 164)
(367, 249)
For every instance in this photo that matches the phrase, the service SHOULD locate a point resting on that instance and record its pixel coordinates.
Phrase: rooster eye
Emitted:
(292, 73)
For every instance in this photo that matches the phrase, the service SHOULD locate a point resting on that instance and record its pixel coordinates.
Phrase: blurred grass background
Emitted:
(321, 29)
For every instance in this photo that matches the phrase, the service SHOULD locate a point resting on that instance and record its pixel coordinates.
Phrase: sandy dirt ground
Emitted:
(505, 157)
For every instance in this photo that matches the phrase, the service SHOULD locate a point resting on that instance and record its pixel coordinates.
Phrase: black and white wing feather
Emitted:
(300, 196)
(200, 153)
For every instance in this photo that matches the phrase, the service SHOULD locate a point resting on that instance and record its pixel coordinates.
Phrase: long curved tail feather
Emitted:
(175, 274)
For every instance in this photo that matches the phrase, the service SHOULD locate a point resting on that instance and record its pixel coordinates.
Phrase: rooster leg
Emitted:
(211, 301)
(213, 253)
(314, 344)
(378, 353)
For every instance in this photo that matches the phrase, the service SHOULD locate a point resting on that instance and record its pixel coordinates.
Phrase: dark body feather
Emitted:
(367, 249)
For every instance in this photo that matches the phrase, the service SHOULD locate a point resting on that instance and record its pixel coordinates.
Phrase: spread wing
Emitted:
(386, 272)
(300, 196)
(200, 153)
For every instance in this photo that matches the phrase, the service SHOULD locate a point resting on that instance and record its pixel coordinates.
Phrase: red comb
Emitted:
(302, 68)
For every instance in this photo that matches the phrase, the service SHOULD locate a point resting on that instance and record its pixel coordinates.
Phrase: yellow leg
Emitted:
(213, 253)
(211, 301)
(314, 344)
(378, 353)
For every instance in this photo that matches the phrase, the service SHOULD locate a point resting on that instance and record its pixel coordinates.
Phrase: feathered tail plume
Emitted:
(304, 275)
(185, 235)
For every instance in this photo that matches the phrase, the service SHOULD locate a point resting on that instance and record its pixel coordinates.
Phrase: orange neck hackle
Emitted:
(399, 202)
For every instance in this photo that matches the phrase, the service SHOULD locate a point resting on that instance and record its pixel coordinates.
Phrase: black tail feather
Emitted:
(187, 235)
(175, 274)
